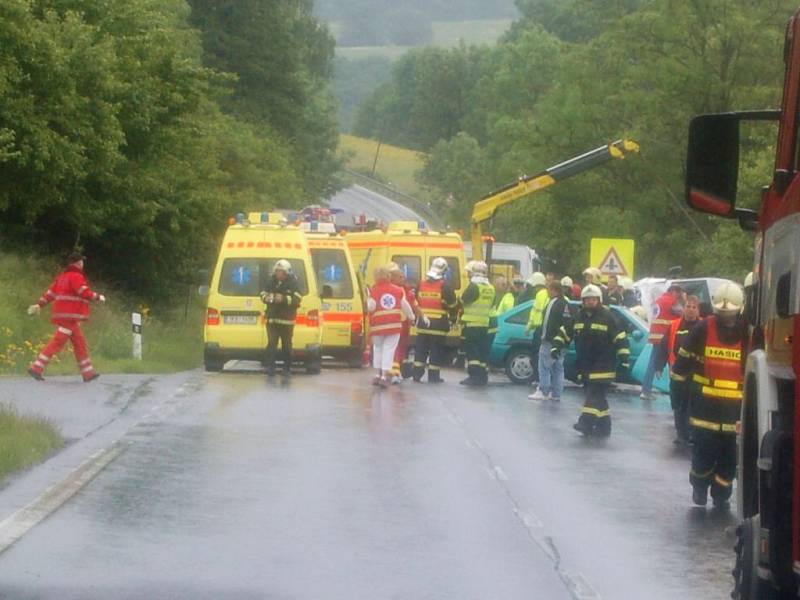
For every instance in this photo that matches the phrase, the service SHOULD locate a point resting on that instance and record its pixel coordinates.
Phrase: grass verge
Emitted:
(173, 336)
(24, 440)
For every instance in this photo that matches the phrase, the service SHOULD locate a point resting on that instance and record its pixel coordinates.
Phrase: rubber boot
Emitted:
(700, 495)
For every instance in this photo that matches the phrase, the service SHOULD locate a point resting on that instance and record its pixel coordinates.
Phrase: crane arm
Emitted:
(487, 206)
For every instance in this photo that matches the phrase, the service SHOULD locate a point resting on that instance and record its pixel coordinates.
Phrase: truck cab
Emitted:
(768, 488)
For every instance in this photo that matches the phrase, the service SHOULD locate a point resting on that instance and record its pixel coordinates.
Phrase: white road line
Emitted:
(28, 517)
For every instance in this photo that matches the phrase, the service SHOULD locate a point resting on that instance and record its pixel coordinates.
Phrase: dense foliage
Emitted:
(120, 135)
(559, 85)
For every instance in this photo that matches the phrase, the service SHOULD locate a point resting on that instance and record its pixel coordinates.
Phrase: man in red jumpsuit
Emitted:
(71, 296)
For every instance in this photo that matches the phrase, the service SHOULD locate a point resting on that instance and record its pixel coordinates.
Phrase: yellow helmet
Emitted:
(729, 298)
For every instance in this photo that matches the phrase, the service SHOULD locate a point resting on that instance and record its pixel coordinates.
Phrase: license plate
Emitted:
(239, 319)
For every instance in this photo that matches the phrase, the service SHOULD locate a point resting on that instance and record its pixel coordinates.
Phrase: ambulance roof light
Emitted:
(265, 217)
(240, 218)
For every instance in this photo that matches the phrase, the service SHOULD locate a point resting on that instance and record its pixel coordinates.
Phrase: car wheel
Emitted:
(521, 368)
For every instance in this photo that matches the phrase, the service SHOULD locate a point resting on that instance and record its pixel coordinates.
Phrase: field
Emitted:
(396, 167)
(172, 339)
(445, 33)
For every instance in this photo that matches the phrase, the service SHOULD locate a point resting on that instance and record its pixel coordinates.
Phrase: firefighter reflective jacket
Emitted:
(662, 317)
(540, 302)
(599, 342)
(70, 295)
(679, 332)
(387, 318)
(477, 302)
(437, 301)
(711, 358)
(282, 310)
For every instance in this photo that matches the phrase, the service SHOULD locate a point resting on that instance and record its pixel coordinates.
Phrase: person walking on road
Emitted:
(712, 357)
(438, 303)
(71, 297)
(599, 343)
(387, 306)
(557, 315)
(666, 309)
(282, 298)
(679, 386)
(477, 302)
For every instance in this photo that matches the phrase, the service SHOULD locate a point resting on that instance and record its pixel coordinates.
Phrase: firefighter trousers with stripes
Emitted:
(713, 461)
(429, 346)
(476, 340)
(595, 414)
(66, 331)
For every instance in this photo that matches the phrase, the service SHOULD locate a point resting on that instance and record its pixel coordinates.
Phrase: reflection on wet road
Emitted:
(323, 487)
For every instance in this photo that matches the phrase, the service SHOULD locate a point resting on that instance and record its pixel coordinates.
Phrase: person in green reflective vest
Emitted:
(477, 302)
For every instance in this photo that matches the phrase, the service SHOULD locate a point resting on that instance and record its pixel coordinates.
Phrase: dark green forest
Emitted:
(132, 128)
(571, 75)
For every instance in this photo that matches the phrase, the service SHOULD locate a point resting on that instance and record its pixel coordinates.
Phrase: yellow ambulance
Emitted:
(235, 322)
(343, 306)
(413, 247)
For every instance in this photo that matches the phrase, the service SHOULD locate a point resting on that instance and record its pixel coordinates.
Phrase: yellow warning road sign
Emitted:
(613, 257)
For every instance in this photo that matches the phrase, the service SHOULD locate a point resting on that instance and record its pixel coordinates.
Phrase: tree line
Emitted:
(571, 75)
(132, 128)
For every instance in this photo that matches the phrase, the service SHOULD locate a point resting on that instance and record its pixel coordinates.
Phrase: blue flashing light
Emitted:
(240, 218)
(265, 217)
(314, 225)
(421, 225)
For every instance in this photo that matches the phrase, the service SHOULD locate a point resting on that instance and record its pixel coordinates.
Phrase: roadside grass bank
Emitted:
(24, 441)
(172, 339)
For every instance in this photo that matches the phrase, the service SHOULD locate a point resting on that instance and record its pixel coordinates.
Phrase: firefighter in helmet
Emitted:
(711, 358)
(599, 343)
(282, 297)
(71, 297)
(437, 302)
(477, 302)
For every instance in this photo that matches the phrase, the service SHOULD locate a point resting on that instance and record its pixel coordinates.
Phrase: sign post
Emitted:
(613, 257)
(136, 320)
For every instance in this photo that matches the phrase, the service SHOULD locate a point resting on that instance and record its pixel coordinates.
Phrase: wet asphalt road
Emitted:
(231, 486)
(356, 200)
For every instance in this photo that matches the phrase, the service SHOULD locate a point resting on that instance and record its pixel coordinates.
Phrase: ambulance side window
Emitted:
(411, 266)
(332, 269)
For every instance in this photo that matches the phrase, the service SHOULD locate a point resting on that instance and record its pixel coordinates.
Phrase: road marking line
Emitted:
(28, 517)
(580, 587)
(501, 475)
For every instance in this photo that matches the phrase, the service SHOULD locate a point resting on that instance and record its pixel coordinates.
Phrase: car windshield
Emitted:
(249, 276)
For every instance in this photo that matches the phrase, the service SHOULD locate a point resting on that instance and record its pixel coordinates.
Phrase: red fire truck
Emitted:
(768, 488)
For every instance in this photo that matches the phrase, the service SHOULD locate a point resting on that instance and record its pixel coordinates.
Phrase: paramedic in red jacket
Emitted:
(71, 297)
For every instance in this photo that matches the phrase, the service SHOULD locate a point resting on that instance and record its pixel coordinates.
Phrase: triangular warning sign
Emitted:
(611, 264)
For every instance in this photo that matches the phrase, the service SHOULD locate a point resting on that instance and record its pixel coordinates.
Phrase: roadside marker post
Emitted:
(136, 320)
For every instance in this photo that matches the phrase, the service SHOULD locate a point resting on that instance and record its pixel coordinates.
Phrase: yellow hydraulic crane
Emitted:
(486, 207)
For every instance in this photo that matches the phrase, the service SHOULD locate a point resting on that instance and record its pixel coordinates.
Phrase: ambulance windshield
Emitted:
(249, 276)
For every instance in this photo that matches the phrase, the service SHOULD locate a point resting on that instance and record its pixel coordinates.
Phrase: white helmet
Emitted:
(593, 271)
(641, 312)
(440, 264)
(728, 298)
(749, 280)
(591, 291)
(626, 283)
(566, 282)
(282, 265)
(479, 268)
(537, 279)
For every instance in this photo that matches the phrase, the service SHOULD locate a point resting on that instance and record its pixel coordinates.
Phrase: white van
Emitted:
(520, 258)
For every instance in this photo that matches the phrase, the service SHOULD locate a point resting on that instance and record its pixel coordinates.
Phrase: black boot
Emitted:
(700, 495)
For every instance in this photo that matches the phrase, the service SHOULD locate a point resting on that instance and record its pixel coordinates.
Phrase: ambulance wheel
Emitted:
(314, 366)
(520, 366)
(213, 366)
